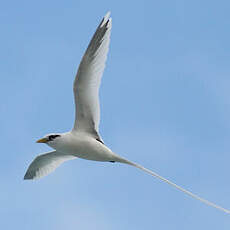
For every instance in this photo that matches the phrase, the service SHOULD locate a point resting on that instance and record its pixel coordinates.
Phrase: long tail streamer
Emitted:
(178, 187)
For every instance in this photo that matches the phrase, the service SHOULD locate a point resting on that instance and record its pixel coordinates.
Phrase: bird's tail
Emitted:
(176, 186)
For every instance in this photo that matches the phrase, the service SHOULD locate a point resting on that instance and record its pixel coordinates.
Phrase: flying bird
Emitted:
(84, 140)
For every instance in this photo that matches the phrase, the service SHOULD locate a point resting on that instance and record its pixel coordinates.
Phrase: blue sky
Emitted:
(165, 103)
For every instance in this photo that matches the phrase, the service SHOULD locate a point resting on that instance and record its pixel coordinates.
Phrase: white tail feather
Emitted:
(177, 186)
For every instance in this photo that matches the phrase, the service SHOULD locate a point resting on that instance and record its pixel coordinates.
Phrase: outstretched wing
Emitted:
(46, 163)
(88, 78)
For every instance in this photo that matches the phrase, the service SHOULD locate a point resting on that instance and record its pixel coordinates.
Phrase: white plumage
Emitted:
(83, 140)
(88, 79)
(46, 163)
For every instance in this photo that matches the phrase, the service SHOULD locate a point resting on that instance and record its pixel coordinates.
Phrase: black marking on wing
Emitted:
(98, 139)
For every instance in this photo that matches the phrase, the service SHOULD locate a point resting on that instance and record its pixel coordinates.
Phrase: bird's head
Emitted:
(49, 139)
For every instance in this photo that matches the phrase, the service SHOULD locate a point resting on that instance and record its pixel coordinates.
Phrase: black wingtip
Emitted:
(105, 20)
(28, 176)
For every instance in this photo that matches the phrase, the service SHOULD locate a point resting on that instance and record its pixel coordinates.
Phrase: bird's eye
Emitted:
(52, 137)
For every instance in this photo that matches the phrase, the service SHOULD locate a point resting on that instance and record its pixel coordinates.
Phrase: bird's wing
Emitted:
(46, 163)
(88, 78)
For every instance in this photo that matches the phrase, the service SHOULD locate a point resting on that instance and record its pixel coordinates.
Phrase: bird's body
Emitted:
(84, 141)
(84, 146)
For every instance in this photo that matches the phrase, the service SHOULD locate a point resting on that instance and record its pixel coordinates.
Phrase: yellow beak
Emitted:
(42, 140)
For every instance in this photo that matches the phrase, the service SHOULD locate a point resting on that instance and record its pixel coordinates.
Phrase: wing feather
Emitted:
(88, 78)
(46, 163)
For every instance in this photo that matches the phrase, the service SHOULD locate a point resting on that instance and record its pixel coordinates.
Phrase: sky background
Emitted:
(165, 104)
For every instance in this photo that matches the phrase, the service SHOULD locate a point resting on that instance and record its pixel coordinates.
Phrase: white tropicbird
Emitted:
(83, 140)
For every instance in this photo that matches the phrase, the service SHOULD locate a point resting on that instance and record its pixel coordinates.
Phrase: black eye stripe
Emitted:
(52, 137)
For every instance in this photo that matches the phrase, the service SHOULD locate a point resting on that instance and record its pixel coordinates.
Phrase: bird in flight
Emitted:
(84, 141)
